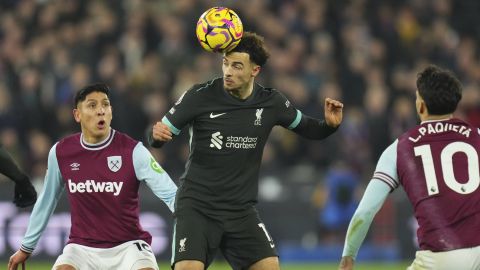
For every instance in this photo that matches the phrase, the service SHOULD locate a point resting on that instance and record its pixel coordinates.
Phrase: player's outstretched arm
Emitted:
(346, 263)
(17, 259)
(318, 129)
(333, 112)
(25, 194)
(372, 200)
(160, 135)
(53, 189)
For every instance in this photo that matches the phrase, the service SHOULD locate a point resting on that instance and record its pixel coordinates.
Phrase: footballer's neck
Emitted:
(93, 139)
(429, 117)
(242, 92)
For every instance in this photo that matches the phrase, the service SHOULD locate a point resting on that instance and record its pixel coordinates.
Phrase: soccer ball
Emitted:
(219, 29)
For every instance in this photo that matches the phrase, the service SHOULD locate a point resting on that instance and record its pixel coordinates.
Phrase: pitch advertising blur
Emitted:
(13, 224)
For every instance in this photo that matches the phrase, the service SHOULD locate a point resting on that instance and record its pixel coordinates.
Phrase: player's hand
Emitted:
(17, 259)
(333, 112)
(161, 132)
(24, 194)
(346, 263)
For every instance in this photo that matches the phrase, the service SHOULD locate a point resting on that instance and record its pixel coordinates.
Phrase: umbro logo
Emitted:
(75, 166)
(216, 115)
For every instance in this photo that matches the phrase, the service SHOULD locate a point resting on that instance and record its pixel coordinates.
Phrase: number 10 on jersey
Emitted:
(446, 164)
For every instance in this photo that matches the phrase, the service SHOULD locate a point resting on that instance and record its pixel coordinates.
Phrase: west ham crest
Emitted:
(114, 163)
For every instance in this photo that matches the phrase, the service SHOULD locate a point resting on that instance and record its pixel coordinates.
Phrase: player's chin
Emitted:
(101, 130)
(229, 85)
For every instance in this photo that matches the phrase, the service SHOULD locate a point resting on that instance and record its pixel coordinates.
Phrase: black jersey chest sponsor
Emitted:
(219, 141)
(240, 129)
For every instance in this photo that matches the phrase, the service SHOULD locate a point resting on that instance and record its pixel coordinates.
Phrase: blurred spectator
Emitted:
(337, 202)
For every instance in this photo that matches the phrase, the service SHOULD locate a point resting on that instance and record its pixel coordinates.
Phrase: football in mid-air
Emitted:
(219, 29)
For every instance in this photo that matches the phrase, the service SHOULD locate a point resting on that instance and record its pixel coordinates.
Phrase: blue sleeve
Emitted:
(52, 190)
(384, 180)
(373, 199)
(147, 169)
(386, 170)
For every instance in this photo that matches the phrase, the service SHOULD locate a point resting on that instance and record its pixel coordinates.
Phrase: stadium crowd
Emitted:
(364, 53)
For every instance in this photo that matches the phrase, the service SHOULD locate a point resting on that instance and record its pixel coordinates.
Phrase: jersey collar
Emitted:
(242, 101)
(437, 120)
(100, 145)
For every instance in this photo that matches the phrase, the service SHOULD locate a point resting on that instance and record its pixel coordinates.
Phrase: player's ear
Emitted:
(423, 108)
(76, 115)
(256, 70)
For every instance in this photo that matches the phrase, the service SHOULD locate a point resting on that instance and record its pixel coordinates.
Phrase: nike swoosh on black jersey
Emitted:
(216, 115)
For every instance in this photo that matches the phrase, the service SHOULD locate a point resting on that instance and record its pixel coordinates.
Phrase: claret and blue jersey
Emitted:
(102, 183)
(437, 164)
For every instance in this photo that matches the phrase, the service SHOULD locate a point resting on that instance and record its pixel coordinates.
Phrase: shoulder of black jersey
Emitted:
(201, 87)
(266, 90)
(278, 94)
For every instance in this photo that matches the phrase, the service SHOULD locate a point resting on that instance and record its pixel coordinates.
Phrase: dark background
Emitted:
(364, 53)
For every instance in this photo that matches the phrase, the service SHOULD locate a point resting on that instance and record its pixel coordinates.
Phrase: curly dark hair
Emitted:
(254, 45)
(440, 90)
(96, 87)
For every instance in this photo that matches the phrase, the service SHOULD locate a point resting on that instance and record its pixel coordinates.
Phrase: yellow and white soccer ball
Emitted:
(219, 29)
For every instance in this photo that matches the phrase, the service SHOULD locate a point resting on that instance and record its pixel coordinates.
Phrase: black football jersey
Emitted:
(227, 137)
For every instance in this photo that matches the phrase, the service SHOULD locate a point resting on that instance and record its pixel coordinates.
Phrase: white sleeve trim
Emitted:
(386, 169)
